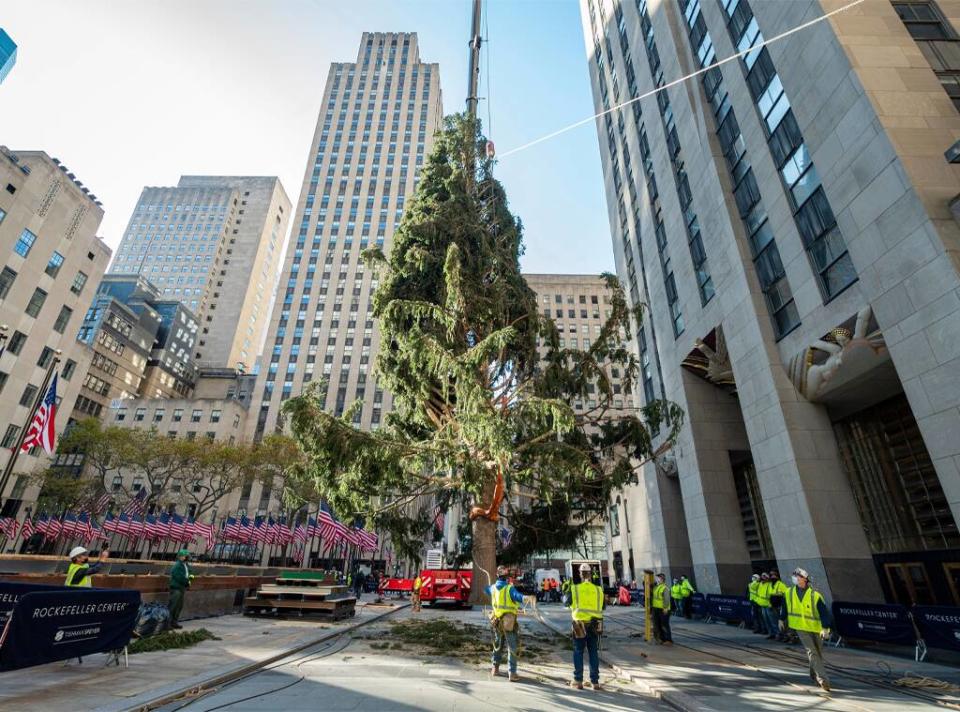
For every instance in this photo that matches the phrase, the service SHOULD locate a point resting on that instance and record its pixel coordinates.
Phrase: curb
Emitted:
(171, 692)
(675, 698)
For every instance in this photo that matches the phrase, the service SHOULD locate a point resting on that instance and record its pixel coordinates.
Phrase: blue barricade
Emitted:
(60, 624)
(698, 606)
(729, 608)
(939, 626)
(879, 622)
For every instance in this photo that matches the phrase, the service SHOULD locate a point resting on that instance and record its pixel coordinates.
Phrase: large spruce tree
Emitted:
(476, 411)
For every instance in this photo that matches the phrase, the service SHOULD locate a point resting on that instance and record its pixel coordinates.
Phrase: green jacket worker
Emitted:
(80, 571)
(180, 579)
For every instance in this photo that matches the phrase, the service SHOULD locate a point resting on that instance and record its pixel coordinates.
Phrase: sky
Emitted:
(135, 93)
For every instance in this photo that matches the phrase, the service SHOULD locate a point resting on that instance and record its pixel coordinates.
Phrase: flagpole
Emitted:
(41, 394)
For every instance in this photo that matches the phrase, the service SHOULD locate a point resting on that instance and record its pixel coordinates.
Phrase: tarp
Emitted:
(10, 593)
(62, 624)
(939, 626)
(881, 622)
(729, 608)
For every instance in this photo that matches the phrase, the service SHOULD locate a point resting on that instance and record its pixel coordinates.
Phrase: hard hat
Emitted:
(585, 568)
(77, 551)
(756, 577)
(183, 552)
(765, 576)
(802, 573)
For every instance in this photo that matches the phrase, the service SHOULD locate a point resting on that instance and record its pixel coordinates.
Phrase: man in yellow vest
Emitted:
(505, 600)
(586, 609)
(763, 601)
(660, 606)
(676, 597)
(80, 571)
(415, 594)
(686, 596)
(807, 614)
(752, 588)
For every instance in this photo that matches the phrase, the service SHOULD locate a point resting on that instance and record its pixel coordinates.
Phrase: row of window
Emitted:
(176, 416)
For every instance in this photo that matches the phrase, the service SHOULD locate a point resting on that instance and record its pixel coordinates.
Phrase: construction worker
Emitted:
(565, 585)
(660, 605)
(180, 580)
(675, 595)
(505, 600)
(586, 609)
(763, 601)
(754, 606)
(415, 594)
(686, 596)
(778, 592)
(807, 613)
(80, 572)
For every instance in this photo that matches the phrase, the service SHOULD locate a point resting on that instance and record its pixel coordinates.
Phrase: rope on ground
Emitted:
(914, 682)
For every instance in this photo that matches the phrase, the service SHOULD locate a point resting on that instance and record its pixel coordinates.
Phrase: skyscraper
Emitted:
(212, 243)
(376, 125)
(789, 219)
(8, 54)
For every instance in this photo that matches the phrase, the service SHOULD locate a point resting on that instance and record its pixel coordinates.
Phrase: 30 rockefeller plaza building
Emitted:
(376, 126)
(789, 218)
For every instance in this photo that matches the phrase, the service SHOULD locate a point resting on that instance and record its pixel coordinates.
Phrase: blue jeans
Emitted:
(591, 643)
(770, 616)
(512, 639)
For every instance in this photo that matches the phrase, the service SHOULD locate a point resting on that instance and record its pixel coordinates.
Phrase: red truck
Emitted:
(436, 585)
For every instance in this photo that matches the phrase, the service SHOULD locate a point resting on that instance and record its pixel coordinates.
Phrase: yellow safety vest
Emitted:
(752, 590)
(658, 596)
(417, 584)
(779, 588)
(802, 614)
(686, 588)
(676, 591)
(586, 601)
(763, 594)
(503, 602)
(85, 582)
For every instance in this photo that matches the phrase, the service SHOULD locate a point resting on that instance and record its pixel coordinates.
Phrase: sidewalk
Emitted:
(152, 676)
(720, 667)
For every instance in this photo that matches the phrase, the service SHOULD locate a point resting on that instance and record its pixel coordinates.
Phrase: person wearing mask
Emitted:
(763, 601)
(80, 571)
(778, 592)
(505, 600)
(180, 580)
(586, 610)
(675, 596)
(660, 605)
(807, 613)
(686, 596)
(754, 606)
(415, 594)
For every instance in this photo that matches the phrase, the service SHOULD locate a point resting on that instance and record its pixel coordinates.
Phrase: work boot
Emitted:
(824, 685)
(514, 677)
(595, 686)
(494, 671)
(576, 684)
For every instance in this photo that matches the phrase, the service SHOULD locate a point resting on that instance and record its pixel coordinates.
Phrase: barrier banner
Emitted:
(729, 608)
(698, 606)
(11, 591)
(58, 625)
(885, 623)
(939, 626)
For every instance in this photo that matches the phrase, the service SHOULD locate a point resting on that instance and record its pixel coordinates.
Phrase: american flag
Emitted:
(84, 530)
(312, 529)
(259, 531)
(110, 524)
(42, 430)
(231, 529)
(69, 525)
(48, 526)
(27, 529)
(137, 505)
(102, 503)
(9, 526)
(367, 540)
(505, 535)
(300, 534)
(438, 517)
(178, 529)
(331, 530)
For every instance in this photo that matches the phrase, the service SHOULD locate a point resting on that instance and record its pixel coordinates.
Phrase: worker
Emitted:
(180, 580)
(754, 606)
(778, 592)
(763, 601)
(586, 609)
(80, 571)
(660, 603)
(505, 600)
(675, 595)
(807, 613)
(686, 596)
(565, 585)
(415, 594)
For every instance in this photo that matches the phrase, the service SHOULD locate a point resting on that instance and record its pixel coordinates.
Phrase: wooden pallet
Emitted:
(334, 609)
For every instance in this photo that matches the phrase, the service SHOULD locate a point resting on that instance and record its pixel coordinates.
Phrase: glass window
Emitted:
(214, 416)
(121, 414)
(78, 282)
(196, 415)
(36, 302)
(29, 395)
(24, 243)
(177, 415)
(63, 318)
(7, 277)
(55, 263)
(140, 414)
(16, 342)
(45, 357)
(68, 369)
(10, 436)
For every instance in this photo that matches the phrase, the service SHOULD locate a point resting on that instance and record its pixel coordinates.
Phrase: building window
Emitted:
(614, 520)
(117, 484)
(36, 302)
(196, 415)
(924, 21)
(140, 414)
(24, 243)
(55, 263)
(214, 416)
(63, 318)
(29, 395)
(45, 356)
(6, 281)
(158, 414)
(68, 369)
(78, 282)
(10, 437)
(177, 415)
(121, 414)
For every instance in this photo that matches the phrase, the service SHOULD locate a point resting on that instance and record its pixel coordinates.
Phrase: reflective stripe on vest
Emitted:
(763, 594)
(803, 614)
(752, 590)
(676, 592)
(503, 602)
(586, 601)
(659, 597)
(85, 582)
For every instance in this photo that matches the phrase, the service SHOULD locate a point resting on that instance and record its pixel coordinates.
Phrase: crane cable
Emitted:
(704, 70)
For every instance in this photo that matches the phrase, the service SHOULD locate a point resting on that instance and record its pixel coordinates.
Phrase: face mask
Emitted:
(794, 580)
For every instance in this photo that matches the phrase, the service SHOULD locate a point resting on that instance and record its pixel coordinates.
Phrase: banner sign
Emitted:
(10, 593)
(884, 623)
(62, 624)
(729, 608)
(939, 626)
(698, 606)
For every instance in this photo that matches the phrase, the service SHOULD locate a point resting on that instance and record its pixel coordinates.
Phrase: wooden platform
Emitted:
(301, 597)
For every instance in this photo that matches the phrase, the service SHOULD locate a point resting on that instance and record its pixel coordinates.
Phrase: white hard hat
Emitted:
(585, 567)
(77, 551)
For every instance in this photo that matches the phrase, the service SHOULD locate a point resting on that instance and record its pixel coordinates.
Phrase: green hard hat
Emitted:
(183, 552)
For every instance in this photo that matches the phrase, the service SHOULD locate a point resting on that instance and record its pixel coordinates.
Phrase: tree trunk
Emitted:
(484, 551)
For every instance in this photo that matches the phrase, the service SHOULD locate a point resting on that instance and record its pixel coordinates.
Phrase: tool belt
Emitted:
(592, 627)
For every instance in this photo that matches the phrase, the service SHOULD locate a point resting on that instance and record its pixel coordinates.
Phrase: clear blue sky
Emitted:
(136, 93)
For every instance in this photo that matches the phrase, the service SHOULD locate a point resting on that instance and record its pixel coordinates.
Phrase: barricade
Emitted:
(51, 623)
(939, 626)
(698, 606)
(729, 608)
(10, 593)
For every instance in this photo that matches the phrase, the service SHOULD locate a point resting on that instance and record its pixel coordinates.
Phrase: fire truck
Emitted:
(437, 583)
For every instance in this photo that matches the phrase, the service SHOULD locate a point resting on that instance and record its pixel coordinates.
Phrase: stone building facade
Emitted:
(786, 216)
